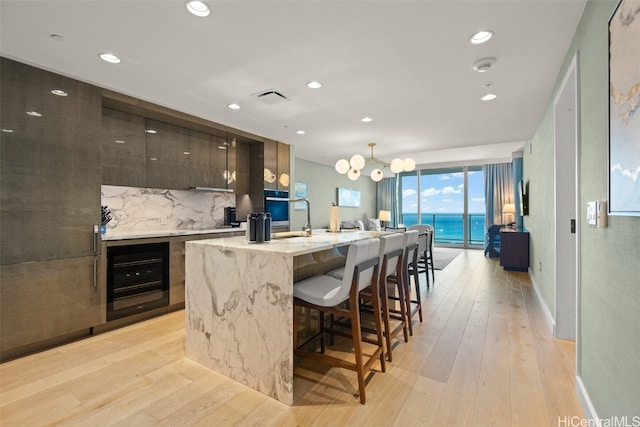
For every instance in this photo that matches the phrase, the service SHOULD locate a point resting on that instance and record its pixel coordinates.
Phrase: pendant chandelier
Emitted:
(353, 168)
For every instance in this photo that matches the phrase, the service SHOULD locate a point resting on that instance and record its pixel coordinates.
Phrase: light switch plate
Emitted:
(591, 213)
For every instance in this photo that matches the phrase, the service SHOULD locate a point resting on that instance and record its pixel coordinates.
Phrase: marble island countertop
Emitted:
(239, 305)
(291, 246)
(143, 234)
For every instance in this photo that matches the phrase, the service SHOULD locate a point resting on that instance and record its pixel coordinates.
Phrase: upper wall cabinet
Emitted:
(283, 166)
(200, 173)
(220, 152)
(168, 156)
(123, 149)
(139, 152)
(276, 165)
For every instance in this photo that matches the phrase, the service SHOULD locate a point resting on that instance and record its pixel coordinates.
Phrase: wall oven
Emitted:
(137, 278)
(276, 202)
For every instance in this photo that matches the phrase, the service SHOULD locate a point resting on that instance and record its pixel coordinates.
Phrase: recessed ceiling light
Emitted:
(234, 106)
(198, 8)
(489, 97)
(34, 114)
(119, 141)
(300, 132)
(222, 147)
(7, 130)
(366, 119)
(59, 92)
(153, 158)
(481, 36)
(151, 131)
(314, 84)
(186, 153)
(110, 57)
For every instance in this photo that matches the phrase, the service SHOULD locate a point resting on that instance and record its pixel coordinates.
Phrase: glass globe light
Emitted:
(284, 179)
(354, 174)
(397, 165)
(357, 162)
(377, 175)
(342, 166)
(409, 165)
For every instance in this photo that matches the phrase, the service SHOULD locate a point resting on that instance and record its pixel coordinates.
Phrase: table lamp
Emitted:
(384, 216)
(509, 209)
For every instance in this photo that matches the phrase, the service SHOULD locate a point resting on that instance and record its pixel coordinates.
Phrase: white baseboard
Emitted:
(585, 402)
(545, 309)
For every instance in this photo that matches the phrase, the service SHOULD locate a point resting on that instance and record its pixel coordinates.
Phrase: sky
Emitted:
(443, 193)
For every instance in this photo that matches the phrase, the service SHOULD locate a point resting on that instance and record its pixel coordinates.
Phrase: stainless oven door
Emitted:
(278, 207)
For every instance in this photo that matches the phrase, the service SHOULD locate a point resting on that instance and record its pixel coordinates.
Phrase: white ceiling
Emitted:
(406, 64)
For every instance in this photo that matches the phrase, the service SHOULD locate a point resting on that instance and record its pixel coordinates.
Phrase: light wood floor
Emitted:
(484, 356)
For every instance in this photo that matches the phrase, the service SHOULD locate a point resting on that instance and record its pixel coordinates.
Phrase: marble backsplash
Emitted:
(151, 209)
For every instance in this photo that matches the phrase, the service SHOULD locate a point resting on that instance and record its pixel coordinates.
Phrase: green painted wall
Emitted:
(322, 183)
(609, 341)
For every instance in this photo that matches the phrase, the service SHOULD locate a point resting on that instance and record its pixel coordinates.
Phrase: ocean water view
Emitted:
(449, 228)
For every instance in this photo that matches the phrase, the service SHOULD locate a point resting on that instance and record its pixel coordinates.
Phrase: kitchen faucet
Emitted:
(306, 228)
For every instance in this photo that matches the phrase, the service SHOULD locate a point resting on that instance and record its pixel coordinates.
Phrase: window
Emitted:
(451, 200)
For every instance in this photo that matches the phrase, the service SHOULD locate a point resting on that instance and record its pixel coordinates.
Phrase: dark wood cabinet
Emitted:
(123, 149)
(514, 249)
(200, 169)
(50, 202)
(241, 165)
(221, 176)
(270, 158)
(50, 187)
(168, 156)
(276, 165)
(283, 166)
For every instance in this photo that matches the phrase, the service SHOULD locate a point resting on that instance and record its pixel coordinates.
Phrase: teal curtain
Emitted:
(498, 190)
(387, 198)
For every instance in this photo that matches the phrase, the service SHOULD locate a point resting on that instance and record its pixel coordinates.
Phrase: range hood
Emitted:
(212, 189)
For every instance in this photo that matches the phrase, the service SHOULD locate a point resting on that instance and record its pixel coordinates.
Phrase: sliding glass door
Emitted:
(451, 200)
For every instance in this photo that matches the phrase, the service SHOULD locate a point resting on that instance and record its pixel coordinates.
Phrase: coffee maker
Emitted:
(230, 217)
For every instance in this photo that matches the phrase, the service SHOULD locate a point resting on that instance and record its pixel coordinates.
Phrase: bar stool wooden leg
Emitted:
(384, 300)
(377, 315)
(356, 333)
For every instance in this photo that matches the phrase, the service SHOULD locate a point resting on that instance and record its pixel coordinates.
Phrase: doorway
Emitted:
(567, 205)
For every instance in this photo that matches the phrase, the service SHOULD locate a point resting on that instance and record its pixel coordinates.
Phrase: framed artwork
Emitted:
(624, 112)
(300, 192)
(349, 198)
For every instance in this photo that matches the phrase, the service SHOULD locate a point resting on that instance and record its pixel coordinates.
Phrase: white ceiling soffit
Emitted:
(406, 64)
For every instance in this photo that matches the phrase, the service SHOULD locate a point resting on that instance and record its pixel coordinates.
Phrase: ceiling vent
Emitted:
(484, 64)
(271, 97)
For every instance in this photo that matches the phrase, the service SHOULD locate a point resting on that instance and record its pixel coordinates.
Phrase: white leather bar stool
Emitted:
(326, 294)
(390, 255)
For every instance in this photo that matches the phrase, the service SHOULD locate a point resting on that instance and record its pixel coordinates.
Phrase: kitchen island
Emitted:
(239, 306)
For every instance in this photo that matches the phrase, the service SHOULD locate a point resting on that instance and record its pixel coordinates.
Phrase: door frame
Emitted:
(567, 126)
